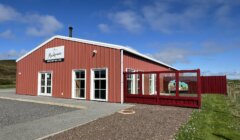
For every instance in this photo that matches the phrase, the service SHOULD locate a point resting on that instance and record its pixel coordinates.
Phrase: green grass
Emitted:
(7, 73)
(219, 119)
(7, 86)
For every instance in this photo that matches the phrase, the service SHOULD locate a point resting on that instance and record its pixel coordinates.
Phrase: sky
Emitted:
(187, 34)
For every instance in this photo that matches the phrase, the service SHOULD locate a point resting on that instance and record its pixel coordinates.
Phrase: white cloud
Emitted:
(43, 25)
(6, 34)
(173, 53)
(38, 25)
(128, 20)
(104, 28)
(229, 74)
(12, 54)
(174, 16)
(7, 13)
(161, 16)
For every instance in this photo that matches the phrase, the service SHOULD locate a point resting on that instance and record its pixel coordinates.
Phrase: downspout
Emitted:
(121, 76)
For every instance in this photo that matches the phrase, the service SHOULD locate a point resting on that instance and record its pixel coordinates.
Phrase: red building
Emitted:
(67, 67)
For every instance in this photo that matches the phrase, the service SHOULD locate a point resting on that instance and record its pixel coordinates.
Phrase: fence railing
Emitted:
(175, 88)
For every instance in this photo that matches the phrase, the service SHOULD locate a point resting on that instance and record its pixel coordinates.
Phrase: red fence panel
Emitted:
(174, 88)
(214, 84)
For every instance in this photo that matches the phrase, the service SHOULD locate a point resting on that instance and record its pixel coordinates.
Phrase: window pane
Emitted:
(77, 83)
(103, 84)
(97, 84)
(103, 94)
(77, 92)
(96, 94)
(43, 76)
(82, 74)
(82, 84)
(49, 82)
(43, 82)
(103, 73)
(48, 89)
(77, 74)
(82, 93)
(49, 76)
(42, 89)
(96, 74)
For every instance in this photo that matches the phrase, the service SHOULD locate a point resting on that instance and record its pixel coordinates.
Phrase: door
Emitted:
(79, 84)
(45, 84)
(99, 85)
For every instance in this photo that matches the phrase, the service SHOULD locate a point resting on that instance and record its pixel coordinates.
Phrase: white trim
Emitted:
(152, 79)
(73, 83)
(133, 89)
(39, 83)
(125, 48)
(92, 85)
(122, 77)
(143, 83)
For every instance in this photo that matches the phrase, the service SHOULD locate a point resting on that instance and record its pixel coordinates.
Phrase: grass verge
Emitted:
(216, 120)
(7, 86)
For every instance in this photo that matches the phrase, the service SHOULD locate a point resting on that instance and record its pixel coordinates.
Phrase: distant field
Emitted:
(7, 73)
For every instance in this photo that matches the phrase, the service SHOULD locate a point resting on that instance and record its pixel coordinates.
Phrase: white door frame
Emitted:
(74, 85)
(92, 85)
(39, 83)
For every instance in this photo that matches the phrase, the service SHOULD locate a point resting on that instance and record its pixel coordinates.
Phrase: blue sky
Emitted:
(187, 34)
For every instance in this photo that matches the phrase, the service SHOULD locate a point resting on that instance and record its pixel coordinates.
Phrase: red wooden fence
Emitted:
(214, 84)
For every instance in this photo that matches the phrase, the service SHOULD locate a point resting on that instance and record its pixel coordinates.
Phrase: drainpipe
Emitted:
(121, 76)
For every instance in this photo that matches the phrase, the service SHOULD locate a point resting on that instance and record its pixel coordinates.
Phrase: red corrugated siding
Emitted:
(137, 63)
(77, 56)
(214, 84)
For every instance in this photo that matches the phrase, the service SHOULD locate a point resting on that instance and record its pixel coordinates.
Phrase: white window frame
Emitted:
(152, 83)
(39, 83)
(133, 84)
(74, 85)
(133, 90)
(92, 84)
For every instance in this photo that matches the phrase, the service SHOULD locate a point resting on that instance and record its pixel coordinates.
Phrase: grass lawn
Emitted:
(7, 86)
(219, 118)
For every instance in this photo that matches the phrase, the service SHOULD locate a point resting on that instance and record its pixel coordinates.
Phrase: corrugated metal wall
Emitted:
(214, 84)
(137, 63)
(77, 56)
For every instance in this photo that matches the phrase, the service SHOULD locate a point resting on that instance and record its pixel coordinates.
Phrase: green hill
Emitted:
(7, 73)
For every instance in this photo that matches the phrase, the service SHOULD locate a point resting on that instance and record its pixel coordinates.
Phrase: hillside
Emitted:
(7, 72)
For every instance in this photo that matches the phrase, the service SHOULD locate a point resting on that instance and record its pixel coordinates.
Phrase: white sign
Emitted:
(54, 54)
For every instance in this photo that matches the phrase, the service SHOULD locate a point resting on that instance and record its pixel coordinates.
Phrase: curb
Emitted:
(43, 102)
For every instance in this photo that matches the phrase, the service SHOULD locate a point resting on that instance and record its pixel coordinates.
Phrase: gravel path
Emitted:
(13, 112)
(149, 122)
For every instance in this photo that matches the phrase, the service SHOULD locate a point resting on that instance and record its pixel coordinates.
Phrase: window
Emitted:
(79, 84)
(131, 82)
(45, 83)
(152, 84)
(100, 84)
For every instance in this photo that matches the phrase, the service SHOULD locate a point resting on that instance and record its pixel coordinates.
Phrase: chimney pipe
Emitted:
(70, 28)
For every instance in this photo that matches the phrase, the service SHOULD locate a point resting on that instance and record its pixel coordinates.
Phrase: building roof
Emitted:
(120, 47)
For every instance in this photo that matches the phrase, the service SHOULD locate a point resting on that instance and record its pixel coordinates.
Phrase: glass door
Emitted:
(46, 84)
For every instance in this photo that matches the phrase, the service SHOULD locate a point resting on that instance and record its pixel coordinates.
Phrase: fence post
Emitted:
(199, 88)
(177, 83)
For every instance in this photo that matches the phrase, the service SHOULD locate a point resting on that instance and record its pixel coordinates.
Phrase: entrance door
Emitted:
(45, 84)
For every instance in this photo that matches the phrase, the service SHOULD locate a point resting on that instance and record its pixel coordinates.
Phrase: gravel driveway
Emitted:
(13, 112)
(149, 122)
